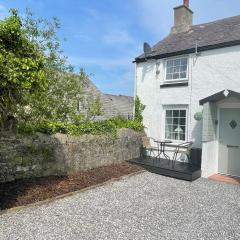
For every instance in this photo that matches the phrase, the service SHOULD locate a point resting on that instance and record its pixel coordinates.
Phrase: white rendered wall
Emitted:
(209, 158)
(210, 72)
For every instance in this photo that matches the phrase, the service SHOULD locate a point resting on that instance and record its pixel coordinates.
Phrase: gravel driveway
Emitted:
(144, 206)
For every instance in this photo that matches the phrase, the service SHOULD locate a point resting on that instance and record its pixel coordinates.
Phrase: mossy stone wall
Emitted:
(43, 155)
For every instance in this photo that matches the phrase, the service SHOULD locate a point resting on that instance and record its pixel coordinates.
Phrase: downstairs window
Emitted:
(176, 124)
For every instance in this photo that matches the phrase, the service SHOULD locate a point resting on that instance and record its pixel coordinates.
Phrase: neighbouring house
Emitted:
(111, 105)
(190, 85)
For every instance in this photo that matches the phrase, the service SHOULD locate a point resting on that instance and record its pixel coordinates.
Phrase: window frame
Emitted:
(172, 108)
(179, 79)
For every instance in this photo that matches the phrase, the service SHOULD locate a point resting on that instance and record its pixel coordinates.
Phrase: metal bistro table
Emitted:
(161, 148)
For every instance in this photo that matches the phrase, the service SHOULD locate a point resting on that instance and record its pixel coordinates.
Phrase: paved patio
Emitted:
(145, 206)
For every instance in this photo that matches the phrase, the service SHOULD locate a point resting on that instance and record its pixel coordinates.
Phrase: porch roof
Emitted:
(220, 96)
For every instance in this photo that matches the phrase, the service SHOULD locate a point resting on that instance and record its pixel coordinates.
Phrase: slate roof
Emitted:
(217, 34)
(122, 105)
(112, 105)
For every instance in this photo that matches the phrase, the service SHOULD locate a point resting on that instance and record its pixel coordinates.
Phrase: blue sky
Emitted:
(104, 36)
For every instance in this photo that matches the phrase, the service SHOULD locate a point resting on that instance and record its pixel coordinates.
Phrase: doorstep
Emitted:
(225, 178)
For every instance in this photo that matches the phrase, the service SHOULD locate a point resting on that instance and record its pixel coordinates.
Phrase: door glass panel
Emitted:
(233, 124)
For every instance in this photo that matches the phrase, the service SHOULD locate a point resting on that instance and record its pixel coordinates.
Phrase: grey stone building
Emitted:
(112, 105)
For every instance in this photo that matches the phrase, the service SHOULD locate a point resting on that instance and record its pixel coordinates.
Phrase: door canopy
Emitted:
(220, 96)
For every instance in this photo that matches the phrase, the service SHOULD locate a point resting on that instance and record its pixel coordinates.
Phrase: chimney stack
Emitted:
(183, 18)
(186, 3)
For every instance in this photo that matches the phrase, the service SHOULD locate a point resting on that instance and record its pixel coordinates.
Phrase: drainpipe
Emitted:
(135, 89)
(190, 102)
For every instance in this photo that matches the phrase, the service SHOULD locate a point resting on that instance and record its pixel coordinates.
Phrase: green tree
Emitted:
(139, 108)
(64, 91)
(22, 67)
(37, 83)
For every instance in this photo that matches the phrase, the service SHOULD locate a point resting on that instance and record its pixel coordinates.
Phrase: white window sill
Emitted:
(174, 84)
(175, 81)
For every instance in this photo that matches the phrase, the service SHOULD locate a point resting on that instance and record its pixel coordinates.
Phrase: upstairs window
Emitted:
(177, 69)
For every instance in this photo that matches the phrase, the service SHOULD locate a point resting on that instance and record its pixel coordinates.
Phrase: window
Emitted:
(177, 69)
(176, 125)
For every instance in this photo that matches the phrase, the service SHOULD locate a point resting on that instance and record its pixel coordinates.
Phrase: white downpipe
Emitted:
(135, 89)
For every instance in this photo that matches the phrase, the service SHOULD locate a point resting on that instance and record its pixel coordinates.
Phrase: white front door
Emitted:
(229, 141)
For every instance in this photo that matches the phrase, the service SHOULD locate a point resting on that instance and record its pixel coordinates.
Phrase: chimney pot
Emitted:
(186, 3)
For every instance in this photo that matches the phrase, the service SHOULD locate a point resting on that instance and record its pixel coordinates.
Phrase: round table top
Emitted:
(162, 141)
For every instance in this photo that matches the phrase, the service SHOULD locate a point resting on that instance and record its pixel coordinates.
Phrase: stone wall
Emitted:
(42, 155)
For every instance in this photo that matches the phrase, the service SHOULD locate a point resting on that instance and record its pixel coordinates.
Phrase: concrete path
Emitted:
(144, 206)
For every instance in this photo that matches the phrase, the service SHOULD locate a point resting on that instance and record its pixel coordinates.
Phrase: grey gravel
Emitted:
(144, 206)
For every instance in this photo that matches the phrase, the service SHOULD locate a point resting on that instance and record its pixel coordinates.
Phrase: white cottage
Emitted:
(195, 71)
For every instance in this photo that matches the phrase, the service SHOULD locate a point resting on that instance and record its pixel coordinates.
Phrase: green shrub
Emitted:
(139, 108)
(96, 128)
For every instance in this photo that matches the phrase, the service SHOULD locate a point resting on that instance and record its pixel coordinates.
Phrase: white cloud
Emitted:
(3, 11)
(119, 36)
(155, 15)
(114, 75)
(127, 77)
(101, 62)
(93, 13)
(119, 73)
(82, 37)
(38, 4)
(122, 82)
